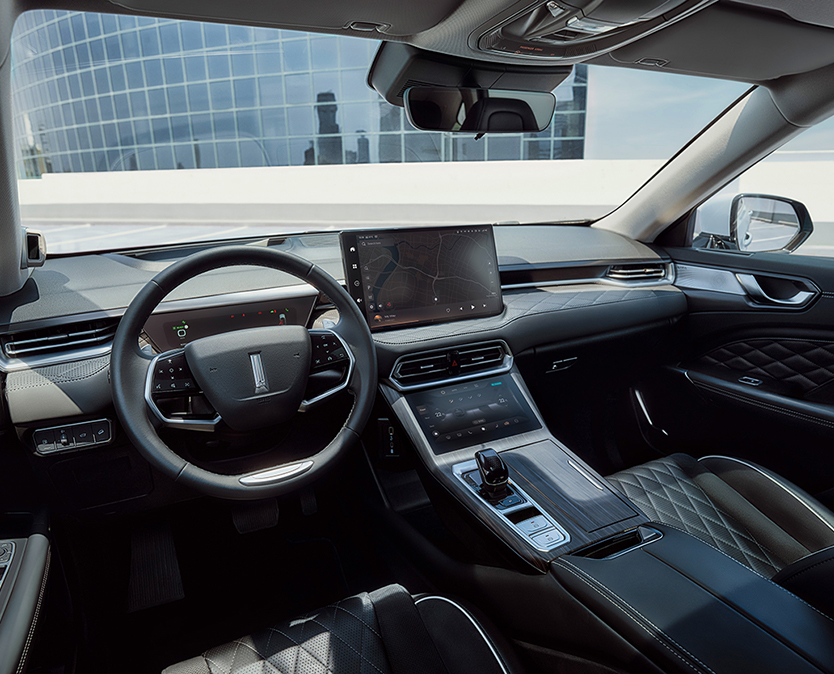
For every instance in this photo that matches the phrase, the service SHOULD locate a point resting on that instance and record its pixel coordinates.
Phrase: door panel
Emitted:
(754, 367)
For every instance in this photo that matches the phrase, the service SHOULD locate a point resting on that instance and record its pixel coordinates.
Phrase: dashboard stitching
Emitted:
(48, 380)
(620, 296)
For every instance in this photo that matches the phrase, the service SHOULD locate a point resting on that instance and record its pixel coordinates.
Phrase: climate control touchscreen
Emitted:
(471, 413)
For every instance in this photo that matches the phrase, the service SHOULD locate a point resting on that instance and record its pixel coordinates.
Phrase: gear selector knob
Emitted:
(494, 474)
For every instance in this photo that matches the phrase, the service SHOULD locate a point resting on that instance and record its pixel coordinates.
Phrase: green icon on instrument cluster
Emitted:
(182, 329)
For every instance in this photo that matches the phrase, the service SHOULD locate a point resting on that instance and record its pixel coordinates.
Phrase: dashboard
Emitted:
(550, 284)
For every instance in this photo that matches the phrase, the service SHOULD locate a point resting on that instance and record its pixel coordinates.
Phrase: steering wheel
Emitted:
(252, 378)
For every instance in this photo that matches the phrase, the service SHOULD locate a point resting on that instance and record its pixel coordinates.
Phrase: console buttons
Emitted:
(82, 434)
(534, 525)
(6, 550)
(74, 436)
(63, 438)
(548, 539)
(45, 441)
(509, 502)
(101, 431)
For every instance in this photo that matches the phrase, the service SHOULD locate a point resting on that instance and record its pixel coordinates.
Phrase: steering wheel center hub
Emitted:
(253, 378)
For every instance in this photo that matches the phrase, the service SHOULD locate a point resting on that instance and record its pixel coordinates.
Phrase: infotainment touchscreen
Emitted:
(472, 413)
(427, 275)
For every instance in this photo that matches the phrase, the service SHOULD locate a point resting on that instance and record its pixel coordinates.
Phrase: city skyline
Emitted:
(104, 92)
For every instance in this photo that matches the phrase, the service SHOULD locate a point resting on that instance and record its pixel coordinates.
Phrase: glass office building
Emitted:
(98, 92)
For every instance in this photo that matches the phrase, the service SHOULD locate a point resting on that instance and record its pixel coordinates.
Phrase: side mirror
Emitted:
(478, 110)
(751, 223)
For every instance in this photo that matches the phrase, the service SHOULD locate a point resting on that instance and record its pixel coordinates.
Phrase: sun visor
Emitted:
(370, 16)
(398, 66)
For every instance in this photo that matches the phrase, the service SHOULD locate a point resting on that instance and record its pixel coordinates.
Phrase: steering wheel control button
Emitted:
(171, 375)
(328, 350)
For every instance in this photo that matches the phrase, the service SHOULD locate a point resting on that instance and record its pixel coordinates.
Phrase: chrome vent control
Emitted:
(432, 367)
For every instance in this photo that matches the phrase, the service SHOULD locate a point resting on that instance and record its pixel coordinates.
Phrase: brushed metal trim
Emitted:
(698, 277)
(275, 474)
(667, 279)
(584, 473)
(468, 466)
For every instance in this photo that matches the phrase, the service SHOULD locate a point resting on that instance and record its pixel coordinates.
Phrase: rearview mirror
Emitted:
(478, 110)
(751, 223)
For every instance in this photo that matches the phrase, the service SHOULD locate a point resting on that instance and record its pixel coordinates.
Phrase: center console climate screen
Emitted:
(472, 413)
(412, 277)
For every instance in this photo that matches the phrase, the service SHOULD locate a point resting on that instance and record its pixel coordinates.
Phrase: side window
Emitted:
(783, 203)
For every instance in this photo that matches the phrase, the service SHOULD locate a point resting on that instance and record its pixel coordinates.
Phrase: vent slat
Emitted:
(637, 272)
(422, 368)
(71, 337)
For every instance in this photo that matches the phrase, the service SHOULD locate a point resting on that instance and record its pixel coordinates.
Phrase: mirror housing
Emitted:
(751, 223)
(469, 110)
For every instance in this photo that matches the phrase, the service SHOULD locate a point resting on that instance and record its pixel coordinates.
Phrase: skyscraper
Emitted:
(99, 92)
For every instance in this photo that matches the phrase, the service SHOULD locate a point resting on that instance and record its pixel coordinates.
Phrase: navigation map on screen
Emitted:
(414, 276)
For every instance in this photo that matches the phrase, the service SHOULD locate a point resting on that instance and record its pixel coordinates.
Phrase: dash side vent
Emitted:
(424, 368)
(72, 336)
(651, 271)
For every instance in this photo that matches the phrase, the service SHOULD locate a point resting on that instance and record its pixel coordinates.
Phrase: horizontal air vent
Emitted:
(637, 272)
(69, 337)
(439, 365)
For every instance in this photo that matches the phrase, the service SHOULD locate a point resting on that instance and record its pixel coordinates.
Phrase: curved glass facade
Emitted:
(99, 92)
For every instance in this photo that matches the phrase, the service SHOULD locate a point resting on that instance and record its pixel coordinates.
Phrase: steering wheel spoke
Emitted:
(330, 353)
(171, 391)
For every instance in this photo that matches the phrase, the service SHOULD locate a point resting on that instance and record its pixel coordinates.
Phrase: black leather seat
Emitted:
(747, 512)
(385, 632)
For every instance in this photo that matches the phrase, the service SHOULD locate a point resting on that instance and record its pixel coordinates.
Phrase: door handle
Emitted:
(758, 294)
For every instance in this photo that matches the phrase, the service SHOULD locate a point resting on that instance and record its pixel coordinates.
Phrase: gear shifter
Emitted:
(494, 475)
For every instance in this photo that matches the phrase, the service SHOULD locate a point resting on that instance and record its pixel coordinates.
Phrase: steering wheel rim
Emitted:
(129, 366)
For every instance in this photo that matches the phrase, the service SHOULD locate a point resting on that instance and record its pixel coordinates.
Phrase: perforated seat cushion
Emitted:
(343, 636)
(750, 514)
(372, 633)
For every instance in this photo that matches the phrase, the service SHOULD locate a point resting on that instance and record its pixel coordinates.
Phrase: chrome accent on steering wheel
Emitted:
(308, 404)
(276, 474)
(174, 422)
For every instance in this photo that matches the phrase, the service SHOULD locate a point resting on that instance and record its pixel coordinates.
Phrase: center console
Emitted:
(553, 503)
(683, 604)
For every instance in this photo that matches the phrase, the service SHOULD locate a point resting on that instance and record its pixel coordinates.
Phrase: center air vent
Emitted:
(69, 337)
(634, 273)
(434, 366)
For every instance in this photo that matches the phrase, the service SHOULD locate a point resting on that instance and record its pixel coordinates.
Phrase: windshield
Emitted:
(134, 131)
